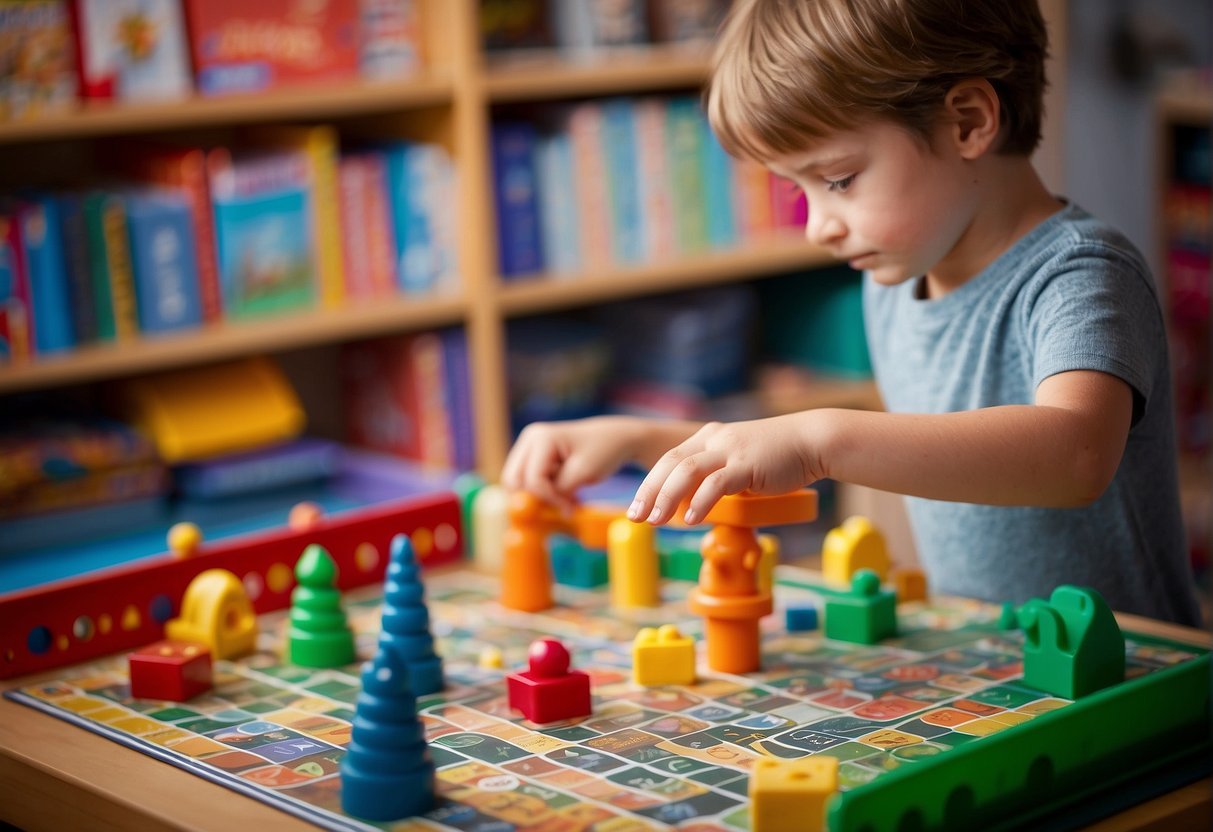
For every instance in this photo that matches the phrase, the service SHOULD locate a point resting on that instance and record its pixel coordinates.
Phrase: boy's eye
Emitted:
(840, 185)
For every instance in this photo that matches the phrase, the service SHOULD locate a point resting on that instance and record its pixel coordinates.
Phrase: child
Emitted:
(1018, 342)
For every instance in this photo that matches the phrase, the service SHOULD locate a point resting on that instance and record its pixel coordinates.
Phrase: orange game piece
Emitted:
(526, 571)
(729, 600)
(755, 510)
(591, 524)
(909, 582)
(304, 516)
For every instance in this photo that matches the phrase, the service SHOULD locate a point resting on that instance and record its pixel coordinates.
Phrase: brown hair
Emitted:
(787, 72)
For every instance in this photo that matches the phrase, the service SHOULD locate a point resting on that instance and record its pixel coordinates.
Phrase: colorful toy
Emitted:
(387, 772)
(663, 656)
(173, 670)
(854, 545)
(549, 691)
(184, 540)
(526, 569)
(635, 570)
(490, 519)
(865, 615)
(800, 618)
(216, 612)
(728, 595)
(405, 623)
(1072, 643)
(909, 583)
(791, 795)
(319, 635)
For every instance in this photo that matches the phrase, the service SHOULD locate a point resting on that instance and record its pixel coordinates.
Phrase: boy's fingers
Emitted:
(714, 486)
(683, 480)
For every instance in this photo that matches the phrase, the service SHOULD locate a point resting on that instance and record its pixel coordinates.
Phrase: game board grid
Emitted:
(645, 759)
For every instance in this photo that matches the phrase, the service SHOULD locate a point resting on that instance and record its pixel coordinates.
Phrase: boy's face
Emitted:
(883, 201)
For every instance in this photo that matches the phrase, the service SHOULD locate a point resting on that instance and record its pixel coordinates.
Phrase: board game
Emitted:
(669, 757)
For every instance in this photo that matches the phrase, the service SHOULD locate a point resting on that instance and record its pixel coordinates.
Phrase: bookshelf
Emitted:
(451, 102)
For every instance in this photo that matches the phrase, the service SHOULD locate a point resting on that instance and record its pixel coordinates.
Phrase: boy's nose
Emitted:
(824, 230)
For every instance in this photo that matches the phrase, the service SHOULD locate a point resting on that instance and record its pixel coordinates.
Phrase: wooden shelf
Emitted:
(228, 340)
(548, 76)
(1187, 104)
(312, 103)
(529, 296)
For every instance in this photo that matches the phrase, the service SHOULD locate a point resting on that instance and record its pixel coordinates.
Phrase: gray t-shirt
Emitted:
(1072, 294)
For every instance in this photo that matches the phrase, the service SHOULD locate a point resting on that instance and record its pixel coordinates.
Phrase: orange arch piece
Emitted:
(754, 510)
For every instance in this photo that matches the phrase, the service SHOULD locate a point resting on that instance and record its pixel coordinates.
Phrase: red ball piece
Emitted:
(549, 658)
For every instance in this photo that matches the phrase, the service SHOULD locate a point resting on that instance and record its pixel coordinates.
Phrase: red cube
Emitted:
(173, 670)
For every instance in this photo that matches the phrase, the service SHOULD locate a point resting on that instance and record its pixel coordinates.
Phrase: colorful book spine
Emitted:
(75, 257)
(421, 193)
(516, 198)
(457, 385)
(752, 184)
(110, 267)
(165, 265)
(368, 245)
(262, 231)
(186, 169)
(16, 316)
(319, 144)
(50, 294)
(584, 125)
(719, 192)
(623, 187)
(685, 151)
(653, 174)
(426, 373)
(557, 204)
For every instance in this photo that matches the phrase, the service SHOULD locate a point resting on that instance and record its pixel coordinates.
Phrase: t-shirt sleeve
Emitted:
(1098, 310)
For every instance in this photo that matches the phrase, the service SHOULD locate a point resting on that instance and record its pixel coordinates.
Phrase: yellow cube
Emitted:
(663, 656)
(791, 795)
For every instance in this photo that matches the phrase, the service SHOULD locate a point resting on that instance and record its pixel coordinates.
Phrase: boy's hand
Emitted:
(765, 456)
(553, 459)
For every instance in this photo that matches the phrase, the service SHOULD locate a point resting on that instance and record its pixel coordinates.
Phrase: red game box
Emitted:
(239, 46)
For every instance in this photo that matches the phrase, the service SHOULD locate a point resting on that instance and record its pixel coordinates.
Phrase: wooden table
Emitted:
(55, 776)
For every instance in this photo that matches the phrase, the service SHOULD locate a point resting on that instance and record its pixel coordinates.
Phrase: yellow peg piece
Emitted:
(791, 795)
(854, 545)
(634, 566)
(767, 561)
(184, 540)
(663, 656)
(216, 612)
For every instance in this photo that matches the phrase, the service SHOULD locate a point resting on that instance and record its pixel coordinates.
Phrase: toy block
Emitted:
(633, 565)
(728, 599)
(1008, 617)
(184, 540)
(319, 635)
(791, 795)
(216, 612)
(663, 656)
(173, 670)
(592, 523)
(405, 619)
(865, 615)
(1072, 643)
(387, 772)
(575, 565)
(755, 510)
(490, 519)
(854, 545)
(909, 583)
(680, 564)
(800, 618)
(549, 691)
(769, 544)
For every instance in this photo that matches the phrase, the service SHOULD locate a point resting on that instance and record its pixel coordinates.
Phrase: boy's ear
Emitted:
(974, 116)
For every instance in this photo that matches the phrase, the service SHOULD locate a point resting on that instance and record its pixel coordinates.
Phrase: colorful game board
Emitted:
(647, 758)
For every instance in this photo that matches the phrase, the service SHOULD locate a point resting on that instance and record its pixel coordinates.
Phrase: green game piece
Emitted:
(319, 635)
(1072, 643)
(466, 486)
(575, 565)
(680, 564)
(865, 615)
(1008, 618)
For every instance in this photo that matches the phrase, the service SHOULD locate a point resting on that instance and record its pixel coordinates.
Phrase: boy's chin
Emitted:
(889, 275)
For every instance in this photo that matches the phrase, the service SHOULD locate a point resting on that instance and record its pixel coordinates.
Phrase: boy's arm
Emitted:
(1060, 451)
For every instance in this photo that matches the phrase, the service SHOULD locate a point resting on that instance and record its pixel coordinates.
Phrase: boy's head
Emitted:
(791, 72)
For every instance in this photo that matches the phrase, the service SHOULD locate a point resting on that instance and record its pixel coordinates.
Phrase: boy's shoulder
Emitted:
(1074, 236)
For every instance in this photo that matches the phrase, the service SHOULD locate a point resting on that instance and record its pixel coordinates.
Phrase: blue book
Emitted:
(458, 397)
(519, 235)
(718, 190)
(417, 179)
(623, 188)
(165, 260)
(74, 232)
(557, 203)
(50, 294)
